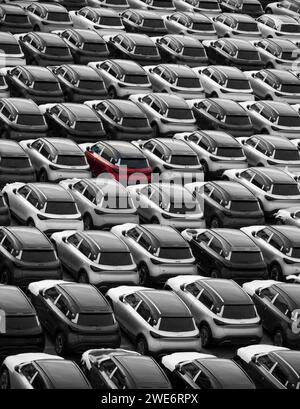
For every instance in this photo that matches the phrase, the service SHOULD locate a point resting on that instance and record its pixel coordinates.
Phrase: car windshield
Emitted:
(185, 160)
(248, 27)
(188, 82)
(177, 324)
(179, 113)
(58, 16)
(287, 154)
(244, 311)
(38, 256)
(136, 79)
(21, 322)
(186, 207)
(248, 55)
(88, 126)
(37, 120)
(10, 48)
(58, 51)
(71, 160)
(194, 52)
(237, 120)
(153, 23)
(93, 85)
(290, 28)
(237, 84)
(134, 163)
(145, 50)
(95, 320)
(61, 208)
(114, 258)
(14, 162)
(286, 189)
(289, 121)
(251, 257)
(132, 122)
(295, 252)
(244, 205)
(175, 253)
(230, 152)
(46, 86)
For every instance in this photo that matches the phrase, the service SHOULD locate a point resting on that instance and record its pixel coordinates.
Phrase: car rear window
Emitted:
(134, 163)
(295, 252)
(10, 48)
(61, 208)
(248, 55)
(94, 85)
(203, 26)
(243, 311)
(237, 84)
(178, 113)
(46, 86)
(58, 16)
(290, 28)
(38, 256)
(110, 21)
(209, 5)
(291, 88)
(153, 23)
(188, 82)
(16, 18)
(194, 52)
(246, 256)
(36, 120)
(71, 160)
(58, 51)
(94, 47)
(290, 55)
(145, 50)
(250, 27)
(135, 122)
(115, 259)
(25, 322)
(230, 152)
(95, 320)
(244, 206)
(289, 121)
(287, 154)
(14, 162)
(184, 160)
(237, 120)
(175, 253)
(88, 126)
(289, 189)
(176, 324)
(136, 79)
(251, 8)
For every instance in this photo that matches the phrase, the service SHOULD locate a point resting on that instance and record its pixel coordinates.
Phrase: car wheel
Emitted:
(215, 274)
(268, 98)
(60, 343)
(278, 338)
(276, 273)
(4, 379)
(43, 177)
(205, 335)
(142, 346)
(30, 223)
(155, 130)
(268, 11)
(112, 93)
(5, 277)
(215, 223)
(269, 64)
(264, 131)
(83, 278)
(143, 274)
(279, 222)
(88, 222)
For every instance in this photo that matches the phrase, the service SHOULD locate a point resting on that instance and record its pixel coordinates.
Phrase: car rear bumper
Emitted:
(11, 345)
(21, 135)
(56, 175)
(53, 225)
(107, 279)
(238, 222)
(169, 345)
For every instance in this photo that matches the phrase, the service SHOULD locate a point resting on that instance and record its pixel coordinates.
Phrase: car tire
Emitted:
(215, 223)
(205, 335)
(142, 346)
(87, 222)
(143, 274)
(278, 338)
(268, 98)
(60, 344)
(4, 379)
(43, 177)
(264, 131)
(268, 11)
(5, 276)
(279, 222)
(112, 94)
(30, 223)
(155, 130)
(269, 64)
(276, 273)
(83, 278)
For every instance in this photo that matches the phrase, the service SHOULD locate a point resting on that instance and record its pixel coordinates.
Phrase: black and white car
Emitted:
(272, 26)
(143, 22)
(236, 25)
(103, 20)
(280, 53)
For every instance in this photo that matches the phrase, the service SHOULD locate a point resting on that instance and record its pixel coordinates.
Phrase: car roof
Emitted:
(284, 76)
(128, 66)
(138, 39)
(29, 238)
(64, 146)
(239, 44)
(274, 175)
(276, 141)
(220, 138)
(167, 303)
(87, 35)
(9, 147)
(233, 190)
(50, 39)
(58, 8)
(7, 38)
(228, 71)
(81, 112)
(184, 40)
(164, 235)
(282, 43)
(13, 301)
(124, 149)
(84, 72)
(127, 108)
(171, 100)
(290, 234)
(39, 73)
(229, 106)
(229, 291)
(280, 18)
(23, 106)
(281, 108)
(175, 146)
(105, 241)
(180, 70)
(151, 14)
(52, 192)
(235, 239)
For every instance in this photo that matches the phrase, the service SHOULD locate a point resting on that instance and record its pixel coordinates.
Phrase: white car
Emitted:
(236, 25)
(46, 206)
(285, 7)
(103, 20)
(280, 53)
(272, 25)
(289, 216)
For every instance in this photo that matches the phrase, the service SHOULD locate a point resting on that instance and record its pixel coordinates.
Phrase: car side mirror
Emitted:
(70, 186)
(125, 233)
(182, 287)
(178, 368)
(293, 215)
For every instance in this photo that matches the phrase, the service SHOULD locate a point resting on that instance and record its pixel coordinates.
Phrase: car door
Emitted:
(100, 375)
(125, 310)
(69, 253)
(212, 200)
(202, 251)
(44, 304)
(265, 308)
(270, 244)
(260, 369)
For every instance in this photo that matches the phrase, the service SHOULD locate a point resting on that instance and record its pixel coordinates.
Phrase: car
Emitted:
(96, 257)
(280, 246)
(274, 188)
(226, 253)
(222, 115)
(278, 306)
(73, 120)
(33, 82)
(157, 321)
(44, 49)
(117, 5)
(11, 53)
(224, 313)
(5, 218)
(227, 204)
(289, 216)
(270, 366)
(26, 255)
(217, 151)
(251, 7)
(21, 331)
(122, 120)
(198, 6)
(275, 84)
(80, 83)
(76, 315)
(21, 118)
(198, 25)
(194, 370)
(47, 17)
(120, 159)
(285, 7)
(14, 19)
(15, 164)
(159, 6)
(102, 20)
(181, 49)
(175, 79)
(143, 22)
(122, 77)
(168, 205)
(280, 53)
(273, 117)
(47, 206)
(167, 114)
(236, 26)
(173, 159)
(270, 150)
(131, 46)
(56, 158)
(103, 202)
(85, 45)
(234, 51)
(272, 26)
(160, 252)
(222, 81)
(41, 371)
(130, 369)
(72, 4)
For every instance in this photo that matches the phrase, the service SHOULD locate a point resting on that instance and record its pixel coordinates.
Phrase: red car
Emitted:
(124, 161)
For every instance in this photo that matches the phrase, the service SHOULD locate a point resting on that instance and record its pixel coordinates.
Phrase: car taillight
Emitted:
(218, 322)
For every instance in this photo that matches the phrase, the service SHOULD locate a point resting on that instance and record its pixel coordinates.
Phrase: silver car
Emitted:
(172, 158)
(96, 257)
(167, 204)
(157, 321)
(286, 7)
(280, 246)
(160, 252)
(289, 216)
(236, 25)
(223, 311)
(272, 25)
(56, 158)
(280, 53)
(47, 17)
(103, 202)
(166, 113)
(46, 206)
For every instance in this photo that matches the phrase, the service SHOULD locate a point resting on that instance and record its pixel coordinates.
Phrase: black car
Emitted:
(182, 49)
(122, 369)
(15, 165)
(143, 22)
(122, 119)
(136, 47)
(231, 51)
(226, 253)
(45, 49)
(80, 82)
(251, 7)
(75, 121)
(20, 329)
(76, 315)
(85, 45)
(26, 255)
(21, 118)
(223, 115)
(36, 83)
(14, 19)
(4, 212)
(230, 204)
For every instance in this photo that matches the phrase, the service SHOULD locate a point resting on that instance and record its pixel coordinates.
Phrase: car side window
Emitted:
(45, 151)
(64, 117)
(266, 362)
(203, 381)
(106, 154)
(193, 289)
(145, 242)
(204, 237)
(33, 377)
(24, 191)
(6, 112)
(63, 305)
(281, 305)
(118, 379)
(203, 143)
(216, 196)
(52, 294)
(158, 151)
(90, 194)
(276, 242)
(33, 199)
(144, 311)
(247, 175)
(75, 239)
(132, 300)
(216, 246)
(258, 181)
(279, 374)
(7, 244)
(264, 234)
(108, 366)
(206, 299)
(268, 293)
(85, 249)
(37, 145)
(79, 186)
(134, 234)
